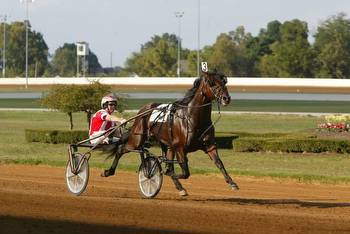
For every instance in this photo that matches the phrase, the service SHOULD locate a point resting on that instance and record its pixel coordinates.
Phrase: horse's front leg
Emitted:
(212, 151)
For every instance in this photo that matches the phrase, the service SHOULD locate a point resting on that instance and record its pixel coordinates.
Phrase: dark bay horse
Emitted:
(181, 128)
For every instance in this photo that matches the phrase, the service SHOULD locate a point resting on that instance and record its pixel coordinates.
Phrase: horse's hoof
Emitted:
(183, 193)
(234, 186)
(107, 173)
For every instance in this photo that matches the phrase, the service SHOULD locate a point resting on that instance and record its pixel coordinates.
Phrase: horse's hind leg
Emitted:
(168, 154)
(213, 154)
(111, 170)
(171, 172)
(183, 162)
(118, 155)
(178, 185)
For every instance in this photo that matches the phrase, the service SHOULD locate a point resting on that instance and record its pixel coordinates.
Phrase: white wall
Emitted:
(233, 81)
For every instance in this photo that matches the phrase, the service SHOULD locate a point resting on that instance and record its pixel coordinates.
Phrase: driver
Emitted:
(103, 120)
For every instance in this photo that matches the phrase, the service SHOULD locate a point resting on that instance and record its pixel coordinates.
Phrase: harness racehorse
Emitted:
(184, 126)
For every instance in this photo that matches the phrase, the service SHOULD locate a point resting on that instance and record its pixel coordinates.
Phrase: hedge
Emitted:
(224, 140)
(296, 145)
(238, 141)
(54, 136)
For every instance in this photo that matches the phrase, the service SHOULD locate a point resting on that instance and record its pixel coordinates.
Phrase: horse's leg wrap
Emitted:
(185, 171)
(169, 169)
(185, 174)
(177, 183)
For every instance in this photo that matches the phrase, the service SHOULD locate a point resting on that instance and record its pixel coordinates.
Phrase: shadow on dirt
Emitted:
(21, 225)
(318, 204)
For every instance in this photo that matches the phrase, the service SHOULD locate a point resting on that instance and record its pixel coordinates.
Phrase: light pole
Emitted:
(27, 21)
(199, 34)
(4, 17)
(179, 16)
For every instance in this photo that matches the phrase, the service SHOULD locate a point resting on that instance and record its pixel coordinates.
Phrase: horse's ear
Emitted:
(196, 82)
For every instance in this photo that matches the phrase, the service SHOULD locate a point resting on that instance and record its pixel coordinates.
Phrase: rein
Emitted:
(196, 106)
(212, 124)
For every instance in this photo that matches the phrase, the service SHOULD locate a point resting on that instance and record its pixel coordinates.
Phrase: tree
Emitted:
(89, 99)
(64, 62)
(157, 57)
(15, 50)
(292, 55)
(192, 63)
(75, 98)
(244, 64)
(63, 98)
(268, 36)
(332, 46)
(229, 54)
(223, 55)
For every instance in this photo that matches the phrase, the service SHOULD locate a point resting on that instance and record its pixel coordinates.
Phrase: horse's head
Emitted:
(214, 87)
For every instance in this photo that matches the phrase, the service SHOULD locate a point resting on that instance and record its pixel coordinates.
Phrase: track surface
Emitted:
(34, 199)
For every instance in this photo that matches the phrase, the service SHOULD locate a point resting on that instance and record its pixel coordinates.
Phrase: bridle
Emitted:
(216, 90)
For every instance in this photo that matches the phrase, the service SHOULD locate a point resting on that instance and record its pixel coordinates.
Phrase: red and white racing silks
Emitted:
(99, 124)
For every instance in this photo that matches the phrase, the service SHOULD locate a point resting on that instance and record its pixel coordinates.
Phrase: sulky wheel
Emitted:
(150, 177)
(77, 182)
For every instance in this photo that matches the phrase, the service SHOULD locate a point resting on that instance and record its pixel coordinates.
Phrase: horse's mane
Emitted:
(190, 93)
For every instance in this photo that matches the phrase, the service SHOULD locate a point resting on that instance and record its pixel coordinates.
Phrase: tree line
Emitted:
(279, 50)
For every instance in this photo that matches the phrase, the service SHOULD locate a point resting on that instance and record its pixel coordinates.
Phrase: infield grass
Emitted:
(325, 168)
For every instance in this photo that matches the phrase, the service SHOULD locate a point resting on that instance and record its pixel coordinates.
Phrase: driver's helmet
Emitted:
(108, 99)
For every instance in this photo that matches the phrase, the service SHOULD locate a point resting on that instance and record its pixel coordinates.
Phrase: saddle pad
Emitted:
(161, 113)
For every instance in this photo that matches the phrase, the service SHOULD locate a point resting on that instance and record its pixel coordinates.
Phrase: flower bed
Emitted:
(337, 123)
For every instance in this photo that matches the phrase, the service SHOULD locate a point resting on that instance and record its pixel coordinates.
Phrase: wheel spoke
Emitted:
(81, 177)
(75, 182)
(149, 187)
(154, 185)
(143, 179)
(79, 180)
(70, 176)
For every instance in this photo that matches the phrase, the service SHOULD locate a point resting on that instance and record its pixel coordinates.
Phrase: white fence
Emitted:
(168, 81)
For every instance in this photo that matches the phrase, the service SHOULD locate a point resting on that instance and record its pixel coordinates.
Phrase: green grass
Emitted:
(327, 168)
(19, 103)
(236, 105)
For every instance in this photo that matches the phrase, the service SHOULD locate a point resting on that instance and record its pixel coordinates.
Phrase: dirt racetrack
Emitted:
(34, 199)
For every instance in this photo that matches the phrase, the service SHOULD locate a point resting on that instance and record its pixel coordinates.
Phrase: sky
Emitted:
(115, 29)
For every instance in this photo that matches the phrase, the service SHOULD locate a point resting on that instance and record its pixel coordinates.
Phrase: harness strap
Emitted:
(171, 124)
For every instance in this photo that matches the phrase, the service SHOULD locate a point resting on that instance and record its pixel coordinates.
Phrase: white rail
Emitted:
(232, 81)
